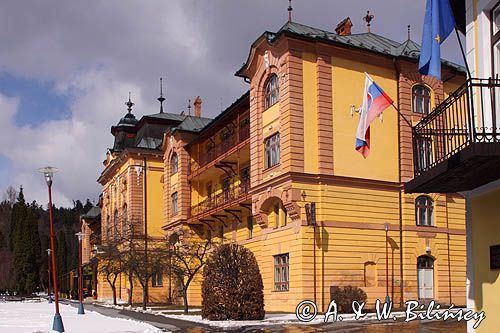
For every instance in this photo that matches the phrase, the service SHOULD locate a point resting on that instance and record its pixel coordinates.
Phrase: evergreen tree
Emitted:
(2, 240)
(26, 246)
(61, 256)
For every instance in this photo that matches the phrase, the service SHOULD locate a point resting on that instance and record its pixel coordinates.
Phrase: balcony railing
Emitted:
(466, 117)
(95, 238)
(233, 193)
(225, 145)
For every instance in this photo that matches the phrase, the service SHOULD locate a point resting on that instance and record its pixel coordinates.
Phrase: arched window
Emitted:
(174, 164)
(108, 227)
(424, 211)
(370, 274)
(272, 91)
(125, 219)
(421, 99)
(115, 223)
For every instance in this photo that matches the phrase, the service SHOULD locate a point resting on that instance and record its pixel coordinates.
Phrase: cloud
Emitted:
(97, 51)
(76, 145)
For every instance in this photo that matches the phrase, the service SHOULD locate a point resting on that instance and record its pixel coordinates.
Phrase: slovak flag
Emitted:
(375, 100)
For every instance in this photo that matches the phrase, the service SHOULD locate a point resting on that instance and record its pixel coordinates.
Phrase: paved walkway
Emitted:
(176, 325)
(164, 323)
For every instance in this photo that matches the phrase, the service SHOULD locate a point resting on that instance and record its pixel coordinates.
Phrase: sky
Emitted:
(66, 68)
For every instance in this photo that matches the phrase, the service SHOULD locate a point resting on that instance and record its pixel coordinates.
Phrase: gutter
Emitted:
(400, 194)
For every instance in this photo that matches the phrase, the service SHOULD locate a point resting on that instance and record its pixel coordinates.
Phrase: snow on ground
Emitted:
(37, 317)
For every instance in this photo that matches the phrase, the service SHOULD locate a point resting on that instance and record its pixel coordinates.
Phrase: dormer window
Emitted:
(272, 91)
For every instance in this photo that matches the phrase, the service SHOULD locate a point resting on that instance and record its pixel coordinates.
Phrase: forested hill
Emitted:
(24, 238)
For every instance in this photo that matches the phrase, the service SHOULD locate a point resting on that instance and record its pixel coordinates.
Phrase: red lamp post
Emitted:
(48, 272)
(48, 173)
(386, 228)
(80, 273)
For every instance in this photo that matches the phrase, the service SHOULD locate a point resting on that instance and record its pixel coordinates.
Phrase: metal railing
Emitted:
(467, 116)
(224, 146)
(234, 192)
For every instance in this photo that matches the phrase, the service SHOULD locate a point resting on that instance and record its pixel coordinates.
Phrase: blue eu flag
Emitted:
(438, 24)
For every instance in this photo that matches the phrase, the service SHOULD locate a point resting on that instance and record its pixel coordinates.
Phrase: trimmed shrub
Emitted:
(232, 285)
(344, 296)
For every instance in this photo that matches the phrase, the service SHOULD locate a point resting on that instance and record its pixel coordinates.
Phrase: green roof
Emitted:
(193, 124)
(92, 213)
(364, 41)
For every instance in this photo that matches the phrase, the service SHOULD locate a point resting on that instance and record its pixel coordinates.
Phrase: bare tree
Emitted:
(10, 195)
(110, 265)
(189, 254)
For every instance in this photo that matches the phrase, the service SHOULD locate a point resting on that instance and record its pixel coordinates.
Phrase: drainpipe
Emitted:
(146, 289)
(401, 280)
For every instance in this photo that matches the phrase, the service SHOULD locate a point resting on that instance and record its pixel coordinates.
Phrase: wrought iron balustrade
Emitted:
(467, 116)
(224, 146)
(233, 193)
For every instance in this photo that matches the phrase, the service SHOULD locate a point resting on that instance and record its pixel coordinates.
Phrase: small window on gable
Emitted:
(421, 99)
(272, 91)
(424, 211)
(174, 164)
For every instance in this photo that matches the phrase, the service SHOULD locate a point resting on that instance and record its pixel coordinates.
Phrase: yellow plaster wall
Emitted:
(348, 87)
(310, 95)
(155, 198)
(485, 233)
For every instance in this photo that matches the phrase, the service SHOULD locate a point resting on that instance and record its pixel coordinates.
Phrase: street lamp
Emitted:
(48, 272)
(387, 298)
(48, 173)
(80, 273)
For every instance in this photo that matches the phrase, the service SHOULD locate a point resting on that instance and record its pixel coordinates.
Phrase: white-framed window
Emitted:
(125, 226)
(174, 164)
(272, 151)
(157, 279)
(115, 224)
(421, 99)
(424, 153)
(175, 204)
(272, 91)
(282, 272)
(250, 226)
(424, 211)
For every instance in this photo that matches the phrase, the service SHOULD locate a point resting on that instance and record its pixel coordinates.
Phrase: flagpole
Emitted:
(463, 53)
(402, 116)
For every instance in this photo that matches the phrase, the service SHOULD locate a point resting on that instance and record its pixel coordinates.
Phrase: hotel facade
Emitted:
(277, 172)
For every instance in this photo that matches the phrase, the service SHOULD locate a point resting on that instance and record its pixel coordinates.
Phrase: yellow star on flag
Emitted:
(438, 38)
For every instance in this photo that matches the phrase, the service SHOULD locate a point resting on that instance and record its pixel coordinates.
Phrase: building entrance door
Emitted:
(425, 268)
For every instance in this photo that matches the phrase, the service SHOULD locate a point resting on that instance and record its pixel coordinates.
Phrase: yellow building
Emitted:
(288, 144)
(132, 195)
(462, 134)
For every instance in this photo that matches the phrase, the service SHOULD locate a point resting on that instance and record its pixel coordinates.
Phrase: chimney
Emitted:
(344, 27)
(197, 106)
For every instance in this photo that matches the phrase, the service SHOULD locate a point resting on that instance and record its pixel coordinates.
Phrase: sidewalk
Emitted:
(164, 323)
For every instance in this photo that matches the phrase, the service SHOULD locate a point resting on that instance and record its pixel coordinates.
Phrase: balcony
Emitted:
(95, 238)
(235, 194)
(225, 147)
(457, 146)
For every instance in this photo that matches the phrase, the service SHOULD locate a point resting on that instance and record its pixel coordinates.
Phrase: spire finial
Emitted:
(161, 99)
(368, 18)
(409, 26)
(290, 9)
(129, 104)
(189, 107)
